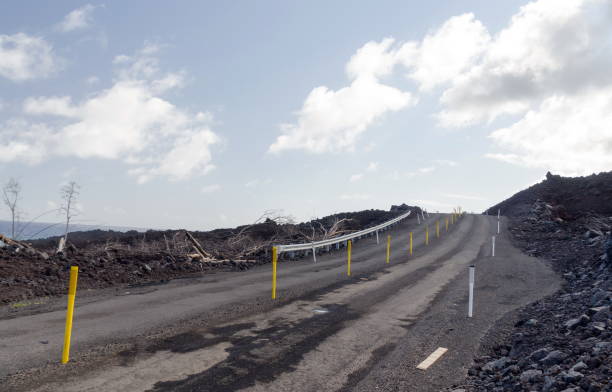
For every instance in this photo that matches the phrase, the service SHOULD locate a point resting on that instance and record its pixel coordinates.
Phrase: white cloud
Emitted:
(23, 141)
(129, 121)
(77, 19)
(445, 54)
(445, 162)
(420, 171)
(58, 106)
(355, 196)
(252, 183)
(24, 57)
(549, 47)
(548, 71)
(332, 121)
(564, 134)
(374, 59)
(372, 167)
(356, 177)
(211, 188)
(92, 80)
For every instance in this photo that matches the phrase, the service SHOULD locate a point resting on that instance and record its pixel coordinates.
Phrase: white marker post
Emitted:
(314, 254)
(418, 219)
(422, 214)
(498, 214)
(493, 246)
(471, 299)
(377, 241)
(497, 227)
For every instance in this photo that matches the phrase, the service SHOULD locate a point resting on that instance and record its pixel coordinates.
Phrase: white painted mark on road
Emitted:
(432, 358)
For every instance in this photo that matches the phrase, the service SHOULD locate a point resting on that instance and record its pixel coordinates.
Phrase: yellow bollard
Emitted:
(437, 229)
(446, 224)
(74, 274)
(274, 262)
(388, 248)
(426, 235)
(410, 243)
(348, 266)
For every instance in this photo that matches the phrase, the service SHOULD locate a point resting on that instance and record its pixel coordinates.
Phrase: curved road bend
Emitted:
(327, 333)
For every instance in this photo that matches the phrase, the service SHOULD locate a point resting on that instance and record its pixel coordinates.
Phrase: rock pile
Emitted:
(25, 275)
(563, 342)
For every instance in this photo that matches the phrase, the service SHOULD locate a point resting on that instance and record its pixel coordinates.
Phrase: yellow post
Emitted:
(426, 235)
(348, 266)
(410, 243)
(388, 248)
(437, 229)
(74, 274)
(446, 224)
(274, 262)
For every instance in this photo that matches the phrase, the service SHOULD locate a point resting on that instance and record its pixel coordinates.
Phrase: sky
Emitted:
(201, 114)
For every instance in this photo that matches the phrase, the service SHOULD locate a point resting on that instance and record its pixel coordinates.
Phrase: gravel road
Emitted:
(327, 332)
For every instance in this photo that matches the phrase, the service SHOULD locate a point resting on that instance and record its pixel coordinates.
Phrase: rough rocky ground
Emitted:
(563, 342)
(109, 259)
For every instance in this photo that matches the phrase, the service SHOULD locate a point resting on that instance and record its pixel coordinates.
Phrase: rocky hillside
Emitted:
(571, 196)
(563, 342)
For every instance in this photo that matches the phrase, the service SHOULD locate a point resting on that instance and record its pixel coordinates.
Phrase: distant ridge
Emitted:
(37, 230)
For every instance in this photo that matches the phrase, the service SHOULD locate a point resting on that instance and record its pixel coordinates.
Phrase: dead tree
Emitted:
(243, 244)
(11, 194)
(196, 245)
(319, 232)
(69, 194)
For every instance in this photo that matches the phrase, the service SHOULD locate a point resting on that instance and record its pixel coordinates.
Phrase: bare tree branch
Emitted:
(11, 195)
(69, 194)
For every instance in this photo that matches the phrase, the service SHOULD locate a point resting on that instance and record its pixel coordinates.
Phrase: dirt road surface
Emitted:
(326, 332)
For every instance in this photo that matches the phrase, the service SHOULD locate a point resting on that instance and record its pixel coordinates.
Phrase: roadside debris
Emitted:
(108, 259)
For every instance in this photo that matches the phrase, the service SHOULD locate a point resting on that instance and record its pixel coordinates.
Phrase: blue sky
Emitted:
(205, 114)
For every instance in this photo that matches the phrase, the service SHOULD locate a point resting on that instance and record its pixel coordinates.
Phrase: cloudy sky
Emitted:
(205, 114)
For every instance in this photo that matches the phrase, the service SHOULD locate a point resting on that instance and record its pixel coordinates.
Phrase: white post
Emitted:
(497, 227)
(471, 299)
(377, 241)
(418, 219)
(314, 254)
(493, 247)
(498, 214)
(422, 214)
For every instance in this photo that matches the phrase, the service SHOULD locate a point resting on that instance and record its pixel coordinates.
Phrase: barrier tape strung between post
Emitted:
(336, 240)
